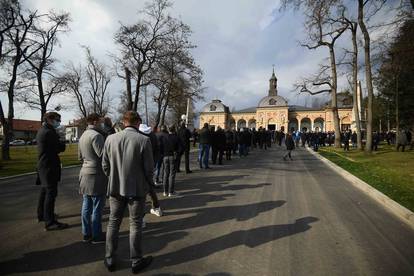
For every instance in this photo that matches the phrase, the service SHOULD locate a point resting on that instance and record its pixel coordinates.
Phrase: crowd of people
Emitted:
(127, 165)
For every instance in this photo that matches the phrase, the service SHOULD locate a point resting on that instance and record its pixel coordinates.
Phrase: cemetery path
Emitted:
(257, 215)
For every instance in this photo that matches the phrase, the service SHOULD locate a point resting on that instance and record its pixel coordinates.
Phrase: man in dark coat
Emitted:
(204, 146)
(49, 145)
(218, 145)
(290, 145)
(184, 135)
(229, 143)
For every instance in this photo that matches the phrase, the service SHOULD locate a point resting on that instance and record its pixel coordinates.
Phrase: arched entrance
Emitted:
(241, 123)
(271, 124)
(293, 123)
(252, 123)
(305, 123)
(319, 124)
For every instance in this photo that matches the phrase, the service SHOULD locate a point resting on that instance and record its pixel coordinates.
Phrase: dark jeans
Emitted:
(169, 174)
(46, 204)
(203, 154)
(117, 206)
(158, 169)
(228, 152)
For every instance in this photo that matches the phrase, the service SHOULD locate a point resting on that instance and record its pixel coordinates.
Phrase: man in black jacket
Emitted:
(171, 147)
(184, 135)
(218, 145)
(204, 146)
(49, 145)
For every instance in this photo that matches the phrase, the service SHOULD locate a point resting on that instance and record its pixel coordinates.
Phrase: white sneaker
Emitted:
(144, 224)
(173, 194)
(165, 194)
(156, 211)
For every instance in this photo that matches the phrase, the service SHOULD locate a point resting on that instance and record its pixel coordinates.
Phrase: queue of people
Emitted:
(126, 166)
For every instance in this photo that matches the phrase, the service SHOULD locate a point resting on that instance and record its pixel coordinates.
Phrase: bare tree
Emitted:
(88, 85)
(45, 36)
(19, 50)
(324, 28)
(98, 79)
(140, 44)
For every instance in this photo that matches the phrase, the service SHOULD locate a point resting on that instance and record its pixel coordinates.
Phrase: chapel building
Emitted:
(274, 113)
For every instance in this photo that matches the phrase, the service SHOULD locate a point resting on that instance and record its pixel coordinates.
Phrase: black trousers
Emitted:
(228, 152)
(186, 160)
(220, 153)
(46, 204)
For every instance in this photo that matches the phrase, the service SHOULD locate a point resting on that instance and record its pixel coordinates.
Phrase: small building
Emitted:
(274, 113)
(23, 129)
(74, 130)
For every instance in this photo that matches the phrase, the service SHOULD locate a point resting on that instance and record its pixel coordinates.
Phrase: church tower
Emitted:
(273, 84)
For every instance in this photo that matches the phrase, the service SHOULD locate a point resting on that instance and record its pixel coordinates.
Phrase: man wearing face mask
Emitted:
(92, 180)
(49, 145)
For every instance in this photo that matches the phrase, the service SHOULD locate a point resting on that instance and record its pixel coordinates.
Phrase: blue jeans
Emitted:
(92, 215)
(242, 150)
(203, 154)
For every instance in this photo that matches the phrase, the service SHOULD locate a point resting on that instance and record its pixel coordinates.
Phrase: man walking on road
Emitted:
(290, 145)
(92, 180)
(128, 163)
(49, 145)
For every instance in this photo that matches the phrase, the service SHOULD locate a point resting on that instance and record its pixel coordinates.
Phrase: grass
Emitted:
(24, 159)
(387, 170)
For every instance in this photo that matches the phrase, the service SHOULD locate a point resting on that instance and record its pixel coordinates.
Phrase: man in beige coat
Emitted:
(128, 163)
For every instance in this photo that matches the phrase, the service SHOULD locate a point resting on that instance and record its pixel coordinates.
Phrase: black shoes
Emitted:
(86, 238)
(56, 226)
(142, 264)
(110, 265)
(99, 240)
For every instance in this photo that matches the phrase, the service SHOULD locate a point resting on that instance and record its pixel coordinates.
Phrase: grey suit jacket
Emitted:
(128, 163)
(92, 180)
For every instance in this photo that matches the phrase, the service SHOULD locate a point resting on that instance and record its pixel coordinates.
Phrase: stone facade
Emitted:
(274, 113)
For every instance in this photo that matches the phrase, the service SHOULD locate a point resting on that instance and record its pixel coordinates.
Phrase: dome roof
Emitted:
(215, 106)
(270, 101)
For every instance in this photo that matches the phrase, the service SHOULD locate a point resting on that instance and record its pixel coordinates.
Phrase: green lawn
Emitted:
(24, 159)
(388, 171)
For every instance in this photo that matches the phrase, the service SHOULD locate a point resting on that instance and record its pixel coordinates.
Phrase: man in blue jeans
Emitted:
(204, 146)
(92, 180)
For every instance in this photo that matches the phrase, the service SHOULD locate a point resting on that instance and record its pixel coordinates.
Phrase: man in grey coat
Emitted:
(128, 163)
(92, 180)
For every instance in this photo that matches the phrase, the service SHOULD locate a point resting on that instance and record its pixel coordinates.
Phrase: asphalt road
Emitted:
(257, 215)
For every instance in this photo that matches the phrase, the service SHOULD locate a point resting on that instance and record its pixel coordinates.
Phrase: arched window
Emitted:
(213, 107)
(272, 101)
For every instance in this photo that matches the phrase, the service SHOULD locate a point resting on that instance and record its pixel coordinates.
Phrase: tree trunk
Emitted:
(137, 91)
(397, 110)
(355, 85)
(334, 102)
(128, 88)
(6, 137)
(43, 105)
(368, 74)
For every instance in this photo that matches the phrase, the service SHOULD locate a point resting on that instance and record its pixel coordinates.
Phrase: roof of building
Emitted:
(246, 110)
(215, 106)
(302, 108)
(26, 125)
(271, 101)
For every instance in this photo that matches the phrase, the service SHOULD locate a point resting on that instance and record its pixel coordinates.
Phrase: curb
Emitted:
(392, 206)
(32, 173)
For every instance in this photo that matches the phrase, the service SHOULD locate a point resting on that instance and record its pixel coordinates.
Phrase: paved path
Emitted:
(253, 216)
